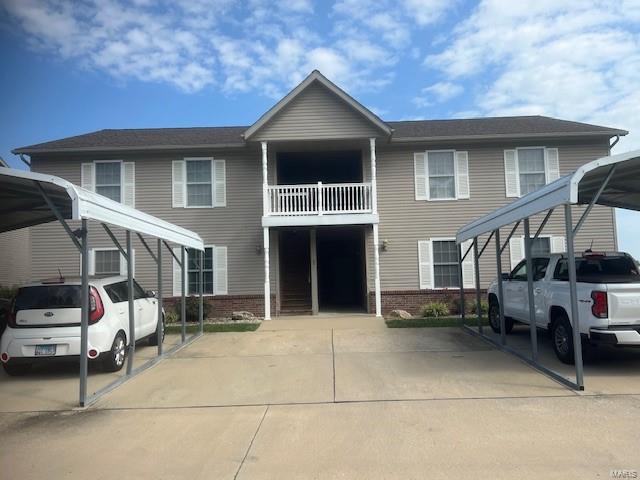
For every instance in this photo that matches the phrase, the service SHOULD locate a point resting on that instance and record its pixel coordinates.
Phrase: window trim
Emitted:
(455, 176)
(213, 273)
(106, 249)
(121, 185)
(187, 183)
(433, 263)
(544, 159)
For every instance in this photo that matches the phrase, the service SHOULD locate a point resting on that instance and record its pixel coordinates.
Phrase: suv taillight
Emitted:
(600, 307)
(96, 308)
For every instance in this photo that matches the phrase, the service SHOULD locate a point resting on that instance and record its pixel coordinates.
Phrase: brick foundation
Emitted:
(224, 305)
(413, 300)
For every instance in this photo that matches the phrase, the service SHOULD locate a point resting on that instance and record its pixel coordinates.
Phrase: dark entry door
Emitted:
(295, 272)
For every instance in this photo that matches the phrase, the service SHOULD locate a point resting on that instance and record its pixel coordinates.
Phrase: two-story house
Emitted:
(320, 205)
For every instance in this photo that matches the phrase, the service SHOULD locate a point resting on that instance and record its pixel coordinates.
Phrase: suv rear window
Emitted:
(49, 296)
(612, 269)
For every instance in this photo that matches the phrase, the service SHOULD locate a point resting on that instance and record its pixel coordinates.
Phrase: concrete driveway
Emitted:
(336, 397)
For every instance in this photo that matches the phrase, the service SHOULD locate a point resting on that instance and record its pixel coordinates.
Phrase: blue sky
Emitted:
(70, 67)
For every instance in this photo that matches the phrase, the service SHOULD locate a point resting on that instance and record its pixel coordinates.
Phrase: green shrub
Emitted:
(435, 309)
(8, 292)
(192, 307)
(484, 307)
(171, 316)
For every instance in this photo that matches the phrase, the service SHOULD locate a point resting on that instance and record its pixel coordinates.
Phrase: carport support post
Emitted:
(575, 320)
(84, 313)
(183, 302)
(159, 327)
(477, 277)
(503, 336)
(132, 318)
(532, 307)
(201, 291)
(462, 306)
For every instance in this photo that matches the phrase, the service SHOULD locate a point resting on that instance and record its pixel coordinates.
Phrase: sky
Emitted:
(70, 67)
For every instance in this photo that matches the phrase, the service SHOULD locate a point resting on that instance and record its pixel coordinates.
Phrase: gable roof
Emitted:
(313, 77)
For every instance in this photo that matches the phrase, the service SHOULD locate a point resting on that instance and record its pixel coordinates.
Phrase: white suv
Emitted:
(44, 322)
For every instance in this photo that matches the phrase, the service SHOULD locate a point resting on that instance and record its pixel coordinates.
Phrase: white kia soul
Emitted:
(44, 322)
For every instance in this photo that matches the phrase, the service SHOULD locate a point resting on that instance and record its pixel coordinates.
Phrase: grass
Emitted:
(215, 327)
(431, 322)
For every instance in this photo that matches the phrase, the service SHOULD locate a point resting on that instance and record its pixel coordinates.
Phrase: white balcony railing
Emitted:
(319, 199)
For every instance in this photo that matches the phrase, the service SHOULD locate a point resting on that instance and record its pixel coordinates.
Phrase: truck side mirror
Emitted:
(506, 276)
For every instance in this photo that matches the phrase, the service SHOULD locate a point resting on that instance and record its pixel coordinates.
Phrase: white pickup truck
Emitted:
(608, 286)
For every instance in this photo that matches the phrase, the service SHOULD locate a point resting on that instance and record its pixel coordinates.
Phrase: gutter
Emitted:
(514, 136)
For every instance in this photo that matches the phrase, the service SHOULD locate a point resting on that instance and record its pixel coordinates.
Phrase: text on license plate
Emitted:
(45, 350)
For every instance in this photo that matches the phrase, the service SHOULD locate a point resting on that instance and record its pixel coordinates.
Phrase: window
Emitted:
(108, 179)
(119, 292)
(606, 269)
(445, 264)
(107, 262)
(193, 271)
(50, 296)
(199, 191)
(442, 175)
(541, 246)
(539, 270)
(532, 169)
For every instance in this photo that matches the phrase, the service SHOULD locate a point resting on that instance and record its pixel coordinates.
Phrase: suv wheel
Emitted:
(115, 358)
(153, 339)
(562, 339)
(494, 318)
(16, 369)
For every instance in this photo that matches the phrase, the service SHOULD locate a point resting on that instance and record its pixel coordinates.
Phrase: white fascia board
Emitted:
(320, 220)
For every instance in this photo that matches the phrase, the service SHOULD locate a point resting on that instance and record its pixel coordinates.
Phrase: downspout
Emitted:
(614, 143)
(25, 161)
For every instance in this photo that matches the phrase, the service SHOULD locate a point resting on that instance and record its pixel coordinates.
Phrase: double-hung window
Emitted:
(445, 264)
(441, 175)
(107, 262)
(214, 271)
(109, 179)
(193, 273)
(199, 182)
(527, 169)
(113, 179)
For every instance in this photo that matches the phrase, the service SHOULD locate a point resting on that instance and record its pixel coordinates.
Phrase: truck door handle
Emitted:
(537, 290)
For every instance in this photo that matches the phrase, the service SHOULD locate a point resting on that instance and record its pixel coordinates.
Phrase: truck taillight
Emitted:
(600, 307)
(96, 308)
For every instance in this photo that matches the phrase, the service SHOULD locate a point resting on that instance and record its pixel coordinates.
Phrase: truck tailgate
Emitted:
(624, 303)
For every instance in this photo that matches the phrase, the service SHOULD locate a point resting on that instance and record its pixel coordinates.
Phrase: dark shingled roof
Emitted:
(196, 137)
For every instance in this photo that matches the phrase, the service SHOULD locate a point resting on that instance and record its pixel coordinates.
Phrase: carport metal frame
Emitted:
(84, 206)
(594, 183)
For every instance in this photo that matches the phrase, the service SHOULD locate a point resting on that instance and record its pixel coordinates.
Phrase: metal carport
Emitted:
(28, 199)
(612, 181)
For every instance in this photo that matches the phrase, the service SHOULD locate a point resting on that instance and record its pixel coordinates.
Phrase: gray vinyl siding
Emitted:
(15, 258)
(316, 114)
(404, 220)
(236, 226)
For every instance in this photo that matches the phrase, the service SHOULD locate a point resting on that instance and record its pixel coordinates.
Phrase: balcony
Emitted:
(319, 204)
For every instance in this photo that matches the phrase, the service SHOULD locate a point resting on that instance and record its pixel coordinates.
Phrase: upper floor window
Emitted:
(527, 169)
(441, 175)
(199, 183)
(113, 179)
(109, 179)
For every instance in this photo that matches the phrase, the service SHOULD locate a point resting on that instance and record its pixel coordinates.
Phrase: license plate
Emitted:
(45, 350)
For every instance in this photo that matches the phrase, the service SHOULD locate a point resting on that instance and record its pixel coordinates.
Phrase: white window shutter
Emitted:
(425, 264)
(420, 176)
(87, 176)
(516, 250)
(462, 175)
(179, 182)
(552, 164)
(219, 183)
(92, 262)
(123, 263)
(511, 174)
(129, 183)
(220, 271)
(558, 244)
(468, 266)
(177, 271)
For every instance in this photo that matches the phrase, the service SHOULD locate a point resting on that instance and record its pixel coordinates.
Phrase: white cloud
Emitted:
(438, 93)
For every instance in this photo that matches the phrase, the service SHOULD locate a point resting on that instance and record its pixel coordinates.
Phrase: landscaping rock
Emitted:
(400, 314)
(244, 317)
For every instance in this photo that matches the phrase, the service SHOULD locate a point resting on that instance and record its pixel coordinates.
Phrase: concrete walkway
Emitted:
(333, 397)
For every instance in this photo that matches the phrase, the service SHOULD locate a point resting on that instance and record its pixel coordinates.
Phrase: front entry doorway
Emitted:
(295, 272)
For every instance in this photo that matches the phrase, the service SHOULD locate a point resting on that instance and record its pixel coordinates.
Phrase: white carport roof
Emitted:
(22, 205)
(580, 187)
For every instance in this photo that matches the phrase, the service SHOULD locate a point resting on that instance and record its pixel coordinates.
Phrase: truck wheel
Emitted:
(562, 339)
(494, 318)
(115, 358)
(16, 369)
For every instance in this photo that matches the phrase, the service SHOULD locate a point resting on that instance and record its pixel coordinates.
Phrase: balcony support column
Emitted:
(267, 282)
(374, 183)
(265, 179)
(376, 261)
